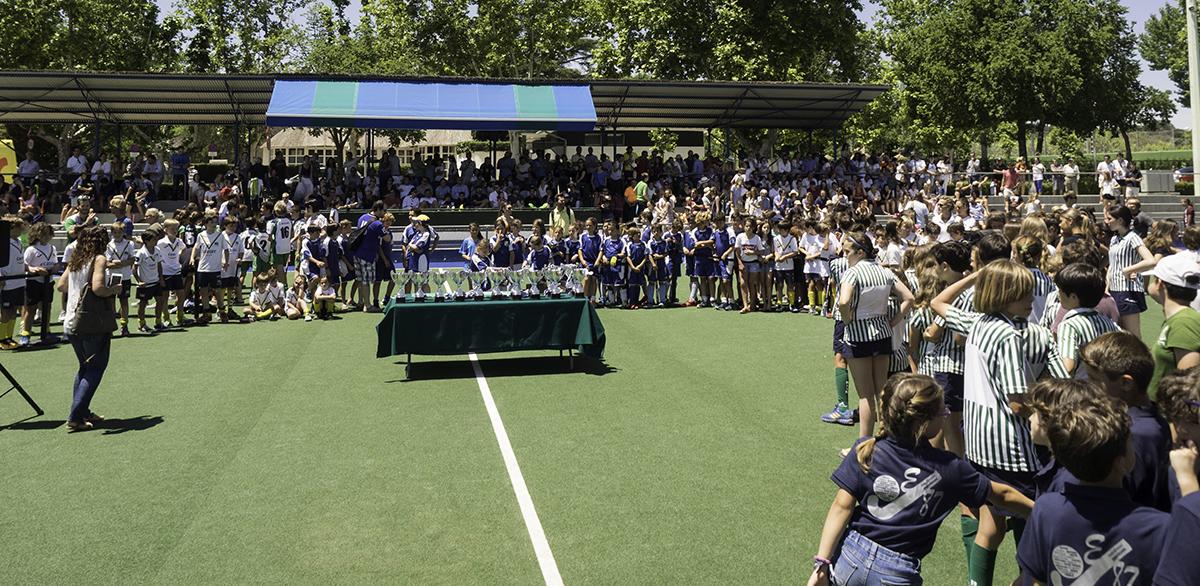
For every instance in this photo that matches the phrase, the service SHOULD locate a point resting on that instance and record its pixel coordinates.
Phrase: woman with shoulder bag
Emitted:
(90, 321)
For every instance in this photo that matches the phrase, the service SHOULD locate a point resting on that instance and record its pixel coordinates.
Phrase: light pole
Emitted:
(1193, 80)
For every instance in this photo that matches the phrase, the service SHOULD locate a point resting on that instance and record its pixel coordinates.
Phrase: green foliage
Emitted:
(1185, 188)
(1163, 45)
(243, 36)
(664, 139)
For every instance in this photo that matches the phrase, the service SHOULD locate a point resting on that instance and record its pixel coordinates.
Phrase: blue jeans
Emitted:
(92, 353)
(866, 563)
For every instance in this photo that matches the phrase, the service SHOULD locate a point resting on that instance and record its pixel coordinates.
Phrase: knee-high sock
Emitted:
(981, 566)
(970, 526)
(841, 382)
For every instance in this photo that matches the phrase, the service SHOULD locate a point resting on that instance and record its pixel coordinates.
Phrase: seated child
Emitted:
(264, 299)
(324, 298)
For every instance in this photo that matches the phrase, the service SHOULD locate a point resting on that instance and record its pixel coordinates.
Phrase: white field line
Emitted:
(537, 535)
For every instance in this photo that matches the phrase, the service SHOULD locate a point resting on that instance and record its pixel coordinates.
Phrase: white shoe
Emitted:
(308, 317)
(62, 316)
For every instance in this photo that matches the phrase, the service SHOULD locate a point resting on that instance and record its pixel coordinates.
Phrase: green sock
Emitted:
(981, 566)
(970, 526)
(841, 382)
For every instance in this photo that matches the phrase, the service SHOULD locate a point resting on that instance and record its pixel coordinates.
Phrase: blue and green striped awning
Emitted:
(454, 106)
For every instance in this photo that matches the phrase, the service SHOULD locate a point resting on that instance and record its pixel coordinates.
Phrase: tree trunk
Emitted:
(985, 141)
(1128, 145)
(1022, 146)
(1041, 135)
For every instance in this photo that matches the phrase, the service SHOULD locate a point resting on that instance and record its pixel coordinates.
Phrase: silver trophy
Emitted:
(503, 284)
(437, 280)
(460, 278)
(474, 285)
(420, 282)
(403, 279)
(490, 284)
(552, 274)
(580, 276)
(529, 283)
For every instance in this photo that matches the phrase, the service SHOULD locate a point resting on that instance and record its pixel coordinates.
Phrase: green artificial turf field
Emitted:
(285, 452)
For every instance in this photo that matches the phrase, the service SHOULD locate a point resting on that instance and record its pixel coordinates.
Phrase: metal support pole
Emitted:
(96, 142)
(237, 145)
(1193, 77)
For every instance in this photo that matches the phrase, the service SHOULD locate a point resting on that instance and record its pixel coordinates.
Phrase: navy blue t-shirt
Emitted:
(700, 235)
(1052, 477)
(1147, 481)
(368, 250)
(1091, 535)
(589, 245)
(1180, 564)
(538, 259)
(902, 501)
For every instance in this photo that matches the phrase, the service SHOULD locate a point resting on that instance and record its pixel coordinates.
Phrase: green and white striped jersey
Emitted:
(837, 270)
(870, 286)
(1123, 253)
(1003, 357)
(1079, 327)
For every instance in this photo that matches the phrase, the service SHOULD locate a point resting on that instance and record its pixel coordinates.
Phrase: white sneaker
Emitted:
(308, 317)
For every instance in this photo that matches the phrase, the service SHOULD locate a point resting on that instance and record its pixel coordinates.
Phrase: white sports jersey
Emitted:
(40, 255)
(170, 252)
(209, 247)
(15, 266)
(248, 238)
(233, 243)
(116, 252)
(280, 229)
(147, 265)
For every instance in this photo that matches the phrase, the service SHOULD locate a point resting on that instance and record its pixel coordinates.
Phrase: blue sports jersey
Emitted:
(637, 252)
(333, 258)
(613, 247)
(908, 492)
(700, 235)
(539, 259)
(501, 253)
(1091, 535)
(1179, 565)
(660, 265)
(589, 245)
(466, 249)
(313, 249)
(517, 246)
(722, 242)
(570, 251)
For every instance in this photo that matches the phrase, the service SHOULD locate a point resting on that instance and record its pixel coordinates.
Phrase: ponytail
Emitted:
(909, 403)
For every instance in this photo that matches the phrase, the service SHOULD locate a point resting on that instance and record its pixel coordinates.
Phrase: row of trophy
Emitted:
(550, 282)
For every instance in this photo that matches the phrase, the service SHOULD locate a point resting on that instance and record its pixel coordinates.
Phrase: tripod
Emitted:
(16, 386)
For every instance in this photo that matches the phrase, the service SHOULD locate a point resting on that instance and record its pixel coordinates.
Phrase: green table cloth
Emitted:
(459, 327)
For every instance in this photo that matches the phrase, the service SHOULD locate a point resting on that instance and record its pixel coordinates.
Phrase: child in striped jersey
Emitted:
(1032, 253)
(894, 490)
(1124, 251)
(863, 301)
(1080, 288)
(1004, 355)
(841, 414)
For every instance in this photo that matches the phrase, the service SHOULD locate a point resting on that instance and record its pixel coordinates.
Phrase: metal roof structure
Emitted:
(54, 97)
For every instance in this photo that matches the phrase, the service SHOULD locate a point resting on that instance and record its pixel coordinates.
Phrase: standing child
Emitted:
(312, 257)
(1004, 355)
(589, 256)
(674, 239)
(611, 252)
(230, 284)
(637, 258)
(1091, 532)
(147, 270)
(170, 251)
(658, 275)
(333, 257)
(687, 247)
(894, 490)
(40, 260)
(120, 254)
(703, 248)
(1122, 365)
(1080, 288)
(841, 414)
(723, 238)
(816, 264)
(209, 256)
(863, 302)
(279, 241)
(12, 292)
(787, 247)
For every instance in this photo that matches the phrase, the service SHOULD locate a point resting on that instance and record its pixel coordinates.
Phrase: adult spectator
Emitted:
(89, 319)
(562, 215)
(1141, 223)
(180, 161)
(1176, 281)
(642, 191)
(152, 171)
(1070, 173)
(84, 216)
(365, 255)
(28, 169)
(77, 165)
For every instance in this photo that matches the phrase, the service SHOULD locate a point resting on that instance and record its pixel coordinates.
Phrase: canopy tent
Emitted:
(54, 97)
(454, 106)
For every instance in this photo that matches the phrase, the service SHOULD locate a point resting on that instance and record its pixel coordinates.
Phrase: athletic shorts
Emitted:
(12, 298)
(208, 280)
(952, 389)
(229, 282)
(881, 347)
(37, 291)
(753, 266)
(725, 268)
(261, 265)
(383, 270)
(1024, 482)
(279, 259)
(172, 282)
(365, 269)
(146, 292)
(416, 263)
(839, 334)
(705, 268)
(126, 287)
(1129, 302)
(786, 276)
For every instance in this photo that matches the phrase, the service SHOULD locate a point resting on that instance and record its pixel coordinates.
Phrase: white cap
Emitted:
(1180, 269)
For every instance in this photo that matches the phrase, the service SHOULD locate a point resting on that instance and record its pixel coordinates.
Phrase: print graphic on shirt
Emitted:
(1093, 565)
(899, 496)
